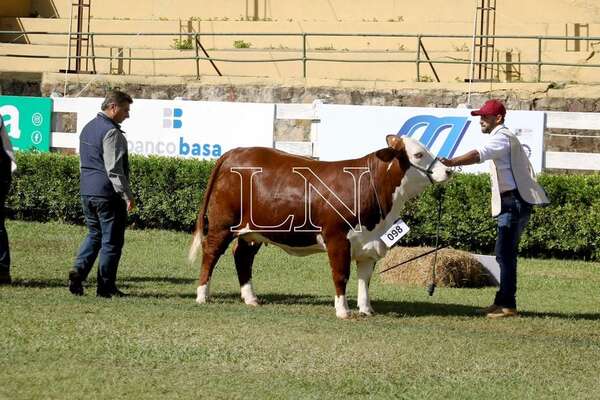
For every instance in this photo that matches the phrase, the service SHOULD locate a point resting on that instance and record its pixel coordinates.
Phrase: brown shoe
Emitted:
(503, 313)
(488, 310)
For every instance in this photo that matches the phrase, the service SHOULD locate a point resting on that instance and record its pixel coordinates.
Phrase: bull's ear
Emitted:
(386, 155)
(394, 141)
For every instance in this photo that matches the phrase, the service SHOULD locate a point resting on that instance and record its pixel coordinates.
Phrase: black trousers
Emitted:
(511, 222)
(5, 180)
(106, 219)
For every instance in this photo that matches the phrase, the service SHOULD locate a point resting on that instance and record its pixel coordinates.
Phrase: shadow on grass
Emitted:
(57, 283)
(382, 307)
(574, 316)
(126, 282)
(421, 309)
(159, 279)
(398, 309)
(40, 283)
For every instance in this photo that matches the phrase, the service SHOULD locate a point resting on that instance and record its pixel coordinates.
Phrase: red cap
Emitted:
(491, 107)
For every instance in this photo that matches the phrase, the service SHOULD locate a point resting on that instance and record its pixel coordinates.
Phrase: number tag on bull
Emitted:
(395, 233)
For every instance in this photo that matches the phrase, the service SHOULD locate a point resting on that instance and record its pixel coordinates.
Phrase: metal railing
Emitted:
(304, 51)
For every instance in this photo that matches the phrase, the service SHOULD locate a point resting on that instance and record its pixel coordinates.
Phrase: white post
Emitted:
(472, 56)
(68, 47)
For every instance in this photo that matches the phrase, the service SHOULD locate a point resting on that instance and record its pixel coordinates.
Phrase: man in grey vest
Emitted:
(514, 191)
(7, 167)
(105, 195)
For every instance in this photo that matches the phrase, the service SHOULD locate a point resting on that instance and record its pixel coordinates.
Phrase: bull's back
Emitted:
(266, 157)
(263, 187)
(265, 174)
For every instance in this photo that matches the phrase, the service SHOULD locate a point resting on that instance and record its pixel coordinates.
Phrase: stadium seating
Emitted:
(287, 16)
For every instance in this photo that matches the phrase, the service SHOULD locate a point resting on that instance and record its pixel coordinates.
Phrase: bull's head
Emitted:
(413, 155)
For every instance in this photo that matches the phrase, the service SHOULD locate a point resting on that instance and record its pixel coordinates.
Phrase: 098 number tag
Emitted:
(395, 233)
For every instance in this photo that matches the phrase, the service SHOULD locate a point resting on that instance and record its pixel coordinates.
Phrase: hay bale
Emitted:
(454, 268)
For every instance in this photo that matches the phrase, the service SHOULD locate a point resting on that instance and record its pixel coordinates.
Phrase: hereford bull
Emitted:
(304, 206)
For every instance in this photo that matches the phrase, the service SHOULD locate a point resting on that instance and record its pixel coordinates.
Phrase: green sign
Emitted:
(27, 121)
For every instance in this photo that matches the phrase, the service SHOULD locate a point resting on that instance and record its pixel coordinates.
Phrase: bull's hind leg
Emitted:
(243, 254)
(213, 246)
(338, 250)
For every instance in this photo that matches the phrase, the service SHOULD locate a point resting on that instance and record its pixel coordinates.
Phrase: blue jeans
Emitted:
(4, 250)
(513, 218)
(106, 219)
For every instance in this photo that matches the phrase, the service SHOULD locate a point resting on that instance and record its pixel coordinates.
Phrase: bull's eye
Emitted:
(419, 155)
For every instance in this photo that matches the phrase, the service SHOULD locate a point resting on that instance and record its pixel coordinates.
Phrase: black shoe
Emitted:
(75, 283)
(108, 293)
(5, 278)
(102, 293)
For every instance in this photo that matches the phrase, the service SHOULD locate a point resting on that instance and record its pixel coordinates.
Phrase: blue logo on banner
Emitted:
(433, 126)
(172, 118)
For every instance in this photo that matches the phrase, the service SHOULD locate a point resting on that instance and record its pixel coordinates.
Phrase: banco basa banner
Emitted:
(190, 129)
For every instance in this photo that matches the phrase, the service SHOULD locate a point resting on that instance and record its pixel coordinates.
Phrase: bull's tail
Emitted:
(195, 247)
(202, 222)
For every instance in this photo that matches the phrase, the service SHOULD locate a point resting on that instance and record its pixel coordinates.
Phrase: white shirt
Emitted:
(497, 148)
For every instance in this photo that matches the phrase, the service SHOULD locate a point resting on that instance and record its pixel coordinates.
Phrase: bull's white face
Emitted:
(419, 156)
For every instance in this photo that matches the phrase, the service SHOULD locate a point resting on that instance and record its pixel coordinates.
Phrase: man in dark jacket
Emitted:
(7, 166)
(105, 195)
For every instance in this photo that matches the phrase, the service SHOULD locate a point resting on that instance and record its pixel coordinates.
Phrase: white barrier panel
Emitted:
(353, 131)
(297, 111)
(573, 120)
(294, 147)
(85, 108)
(181, 128)
(580, 161)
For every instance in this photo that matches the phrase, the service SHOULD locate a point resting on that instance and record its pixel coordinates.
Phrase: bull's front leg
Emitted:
(338, 250)
(365, 270)
(243, 255)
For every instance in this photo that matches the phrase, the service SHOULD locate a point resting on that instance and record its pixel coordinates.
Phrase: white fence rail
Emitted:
(64, 140)
(552, 159)
(554, 120)
(576, 121)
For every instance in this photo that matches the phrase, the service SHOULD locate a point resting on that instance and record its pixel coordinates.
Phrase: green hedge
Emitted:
(567, 228)
(168, 192)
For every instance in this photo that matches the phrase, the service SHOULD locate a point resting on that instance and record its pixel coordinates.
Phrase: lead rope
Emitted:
(428, 252)
(440, 196)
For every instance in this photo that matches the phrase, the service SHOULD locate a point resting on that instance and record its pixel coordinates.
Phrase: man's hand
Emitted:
(130, 205)
(446, 162)
(472, 157)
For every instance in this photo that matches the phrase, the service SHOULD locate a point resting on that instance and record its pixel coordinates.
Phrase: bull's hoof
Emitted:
(248, 295)
(342, 314)
(202, 294)
(252, 302)
(342, 311)
(366, 311)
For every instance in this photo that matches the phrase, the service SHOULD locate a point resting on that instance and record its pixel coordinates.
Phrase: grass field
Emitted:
(158, 344)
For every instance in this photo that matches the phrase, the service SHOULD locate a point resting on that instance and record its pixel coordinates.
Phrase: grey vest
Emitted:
(94, 178)
(529, 190)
